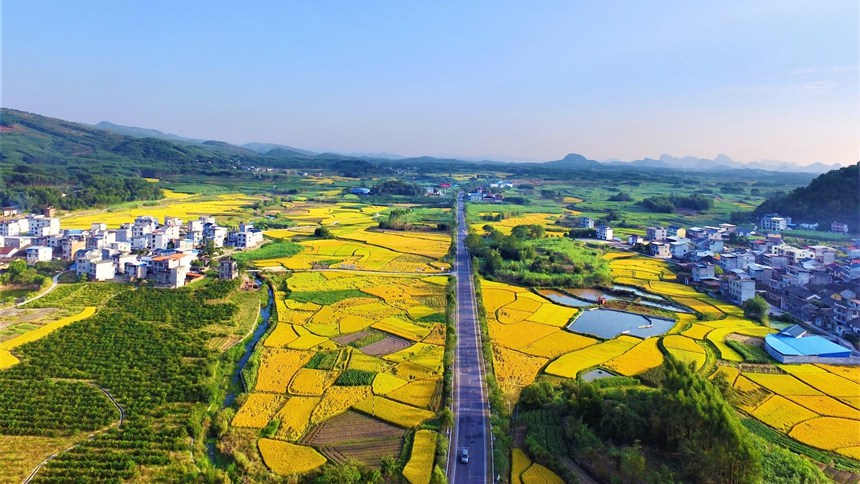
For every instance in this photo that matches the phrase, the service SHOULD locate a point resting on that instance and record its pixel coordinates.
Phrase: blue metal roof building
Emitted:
(791, 346)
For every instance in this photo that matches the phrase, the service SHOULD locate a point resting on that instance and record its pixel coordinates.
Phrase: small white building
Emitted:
(39, 253)
(604, 232)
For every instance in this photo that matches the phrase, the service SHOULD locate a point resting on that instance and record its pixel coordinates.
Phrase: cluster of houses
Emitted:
(148, 249)
(486, 195)
(817, 283)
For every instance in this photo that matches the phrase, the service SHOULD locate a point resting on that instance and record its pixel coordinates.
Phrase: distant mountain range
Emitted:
(572, 160)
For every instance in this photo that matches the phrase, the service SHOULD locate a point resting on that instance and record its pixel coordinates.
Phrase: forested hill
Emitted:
(832, 196)
(47, 161)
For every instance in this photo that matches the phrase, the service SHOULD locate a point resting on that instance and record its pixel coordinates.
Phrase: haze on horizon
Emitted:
(773, 80)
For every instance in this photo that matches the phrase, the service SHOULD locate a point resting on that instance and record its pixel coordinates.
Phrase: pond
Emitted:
(596, 374)
(564, 299)
(608, 323)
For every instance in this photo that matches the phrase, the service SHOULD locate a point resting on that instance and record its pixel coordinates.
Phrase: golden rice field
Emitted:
(400, 414)
(418, 393)
(685, 349)
(301, 393)
(515, 370)
(309, 382)
(538, 474)
(337, 400)
(428, 244)
(295, 417)
(384, 383)
(185, 207)
(520, 461)
(420, 466)
(819, 416)
(569, 365)
(7, 359)
(809, 403)
(640, 358)
(277, 367)
(289, 459)
(829, 433)
(782, 414)
(506, 225)
(511, 304)
(257, 410)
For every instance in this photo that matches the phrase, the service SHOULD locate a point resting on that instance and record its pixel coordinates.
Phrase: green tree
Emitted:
(756, 309)
(323, 233)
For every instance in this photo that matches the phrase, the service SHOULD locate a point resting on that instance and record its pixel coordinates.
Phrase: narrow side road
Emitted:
(471, 409)
(54, 281)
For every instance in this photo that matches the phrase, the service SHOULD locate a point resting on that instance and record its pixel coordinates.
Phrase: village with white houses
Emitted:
(164, 252)
(815, 284)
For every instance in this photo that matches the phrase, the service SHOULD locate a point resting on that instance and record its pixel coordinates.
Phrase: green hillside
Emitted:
(832, 196)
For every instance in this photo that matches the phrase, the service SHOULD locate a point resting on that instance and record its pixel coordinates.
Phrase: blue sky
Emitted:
(513, 80)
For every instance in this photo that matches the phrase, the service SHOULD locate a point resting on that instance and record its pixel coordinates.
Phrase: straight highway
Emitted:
(471, 410)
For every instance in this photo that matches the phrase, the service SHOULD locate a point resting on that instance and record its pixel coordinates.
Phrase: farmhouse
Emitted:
(604, 232)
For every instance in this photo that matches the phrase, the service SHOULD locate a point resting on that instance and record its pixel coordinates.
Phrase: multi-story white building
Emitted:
(774, 223)
(586, 223)
(846, 310)
(738, 286)
(247, 237)
(656, 233)
(215, 233)
(839, 228)
(227, 269)
(10, 228)
(39, 253)
(91, 264)
(42, 226)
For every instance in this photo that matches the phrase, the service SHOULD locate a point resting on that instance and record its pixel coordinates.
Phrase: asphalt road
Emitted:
(471, 411)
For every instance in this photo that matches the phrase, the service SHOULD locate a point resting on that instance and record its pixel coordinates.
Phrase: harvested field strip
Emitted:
(386, 346)
(353, 435)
